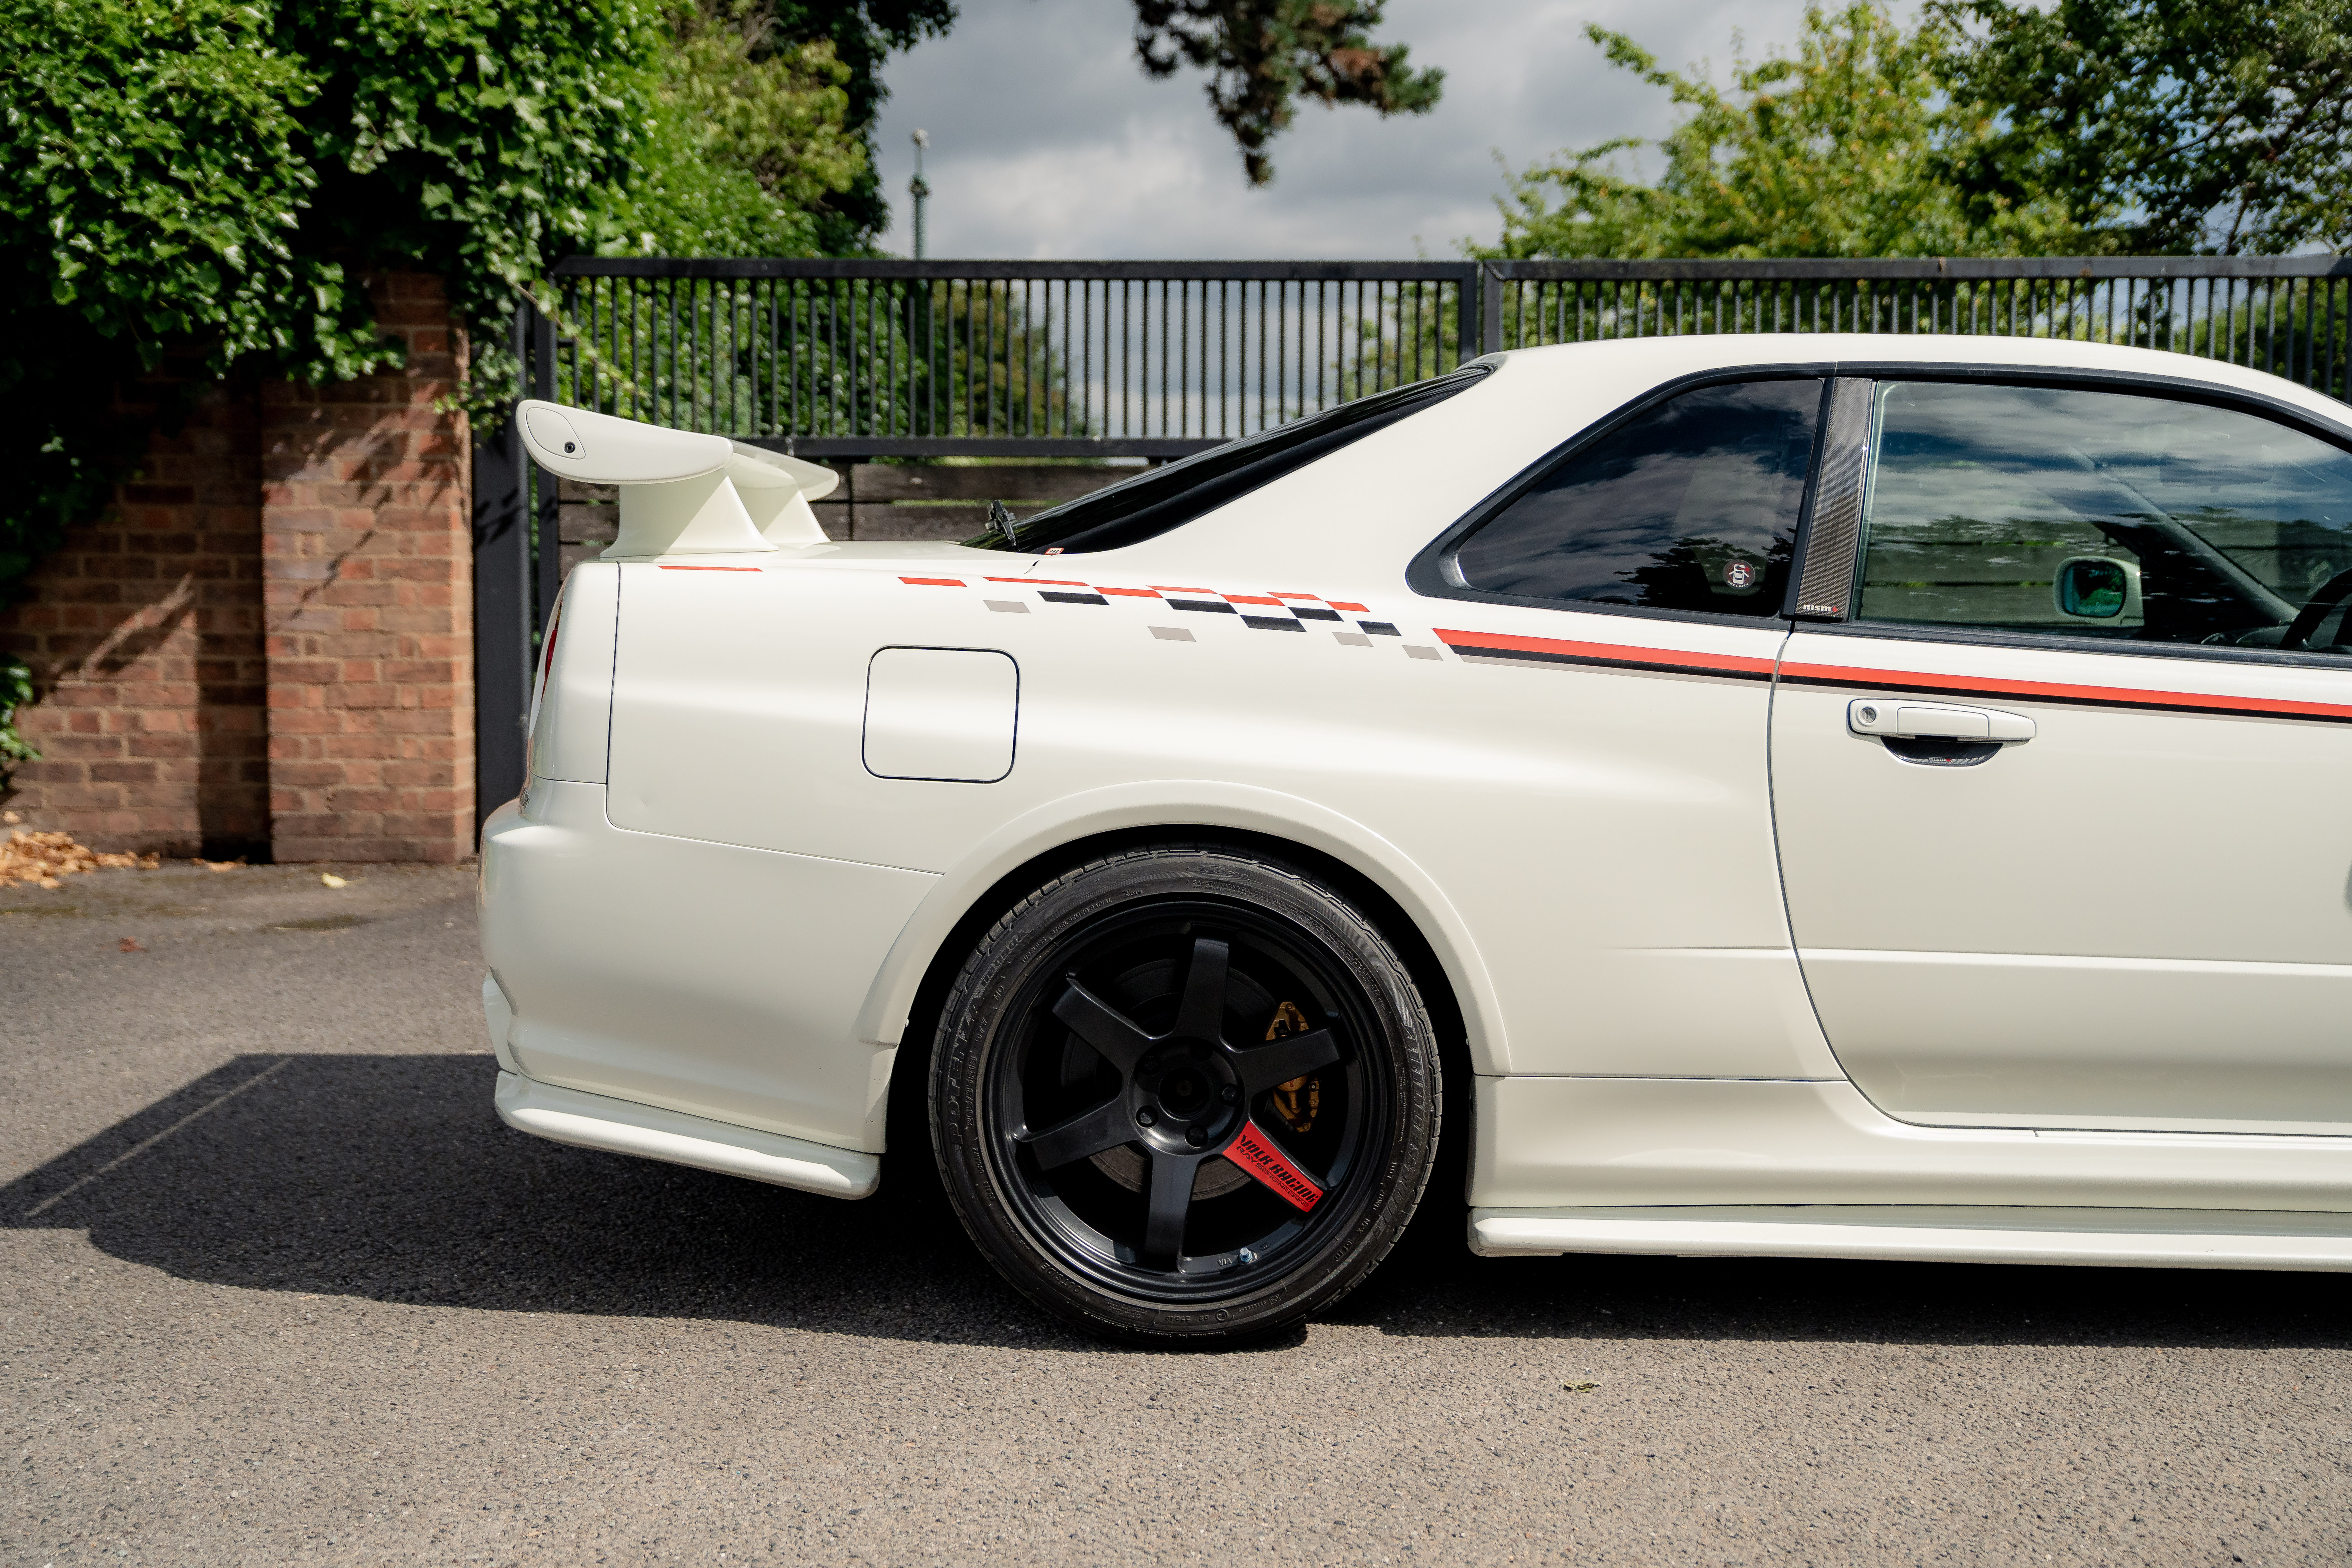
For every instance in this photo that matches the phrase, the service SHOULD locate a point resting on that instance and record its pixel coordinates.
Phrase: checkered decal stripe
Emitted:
(1258, 612)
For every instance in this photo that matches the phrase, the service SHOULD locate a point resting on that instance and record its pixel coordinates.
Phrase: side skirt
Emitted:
(622, 1127)
(2166, 1238)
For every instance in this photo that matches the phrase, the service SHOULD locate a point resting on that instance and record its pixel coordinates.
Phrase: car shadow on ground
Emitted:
(390, 1178)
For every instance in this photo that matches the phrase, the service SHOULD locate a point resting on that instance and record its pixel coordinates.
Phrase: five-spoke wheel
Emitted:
(1185, 1092)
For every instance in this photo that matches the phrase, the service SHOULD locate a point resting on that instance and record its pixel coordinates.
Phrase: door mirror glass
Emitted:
(2096, 587)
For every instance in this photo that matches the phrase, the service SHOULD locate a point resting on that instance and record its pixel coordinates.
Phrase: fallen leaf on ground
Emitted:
(127, 945)
(41, 858)
(236, 864)
(335, 881)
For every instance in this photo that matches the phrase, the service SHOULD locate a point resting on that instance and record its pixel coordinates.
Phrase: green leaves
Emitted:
(1991, 128)
(1844, 149)
(2182, 125)
(214, 179)
(160, 138)
(1261, 55)
(16, 691)
(748, 139)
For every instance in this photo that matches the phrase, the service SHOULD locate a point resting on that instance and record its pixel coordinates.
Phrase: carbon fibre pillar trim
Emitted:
(1832, 527)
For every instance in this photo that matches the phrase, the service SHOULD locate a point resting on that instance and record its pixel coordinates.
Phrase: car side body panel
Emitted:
(1574, 807)
(1607, 833)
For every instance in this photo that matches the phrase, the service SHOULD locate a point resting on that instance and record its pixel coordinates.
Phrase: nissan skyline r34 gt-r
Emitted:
(1798, 795)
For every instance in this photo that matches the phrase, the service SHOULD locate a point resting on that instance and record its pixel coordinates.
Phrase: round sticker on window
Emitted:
(1739, 574)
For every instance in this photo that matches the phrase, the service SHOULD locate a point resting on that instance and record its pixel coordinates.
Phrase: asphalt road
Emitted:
(277, 1287)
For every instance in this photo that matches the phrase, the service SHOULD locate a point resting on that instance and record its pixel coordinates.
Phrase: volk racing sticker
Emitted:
(1253, 1152)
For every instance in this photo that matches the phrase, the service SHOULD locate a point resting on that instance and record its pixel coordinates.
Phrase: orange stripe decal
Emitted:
(2054, 691)
(1617, 655)
(1128, 592)
(1353, 609)
(710, 568)
(934, 582)
(1250, 599)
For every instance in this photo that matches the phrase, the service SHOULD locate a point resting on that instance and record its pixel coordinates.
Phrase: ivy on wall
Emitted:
(213, 178)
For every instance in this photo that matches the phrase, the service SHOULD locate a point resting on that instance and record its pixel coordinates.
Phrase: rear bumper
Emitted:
(714, 981)
(616, 1126)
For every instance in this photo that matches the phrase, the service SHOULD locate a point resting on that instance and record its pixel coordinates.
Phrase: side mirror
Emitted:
(2096, 588)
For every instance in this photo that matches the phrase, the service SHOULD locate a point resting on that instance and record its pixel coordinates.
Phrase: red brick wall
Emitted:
(367, 561)
(144, 633)
(265, 644)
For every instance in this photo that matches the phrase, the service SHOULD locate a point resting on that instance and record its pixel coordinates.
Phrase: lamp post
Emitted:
(918, 189)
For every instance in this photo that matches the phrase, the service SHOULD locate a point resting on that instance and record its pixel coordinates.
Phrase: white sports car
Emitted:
(1806, 795)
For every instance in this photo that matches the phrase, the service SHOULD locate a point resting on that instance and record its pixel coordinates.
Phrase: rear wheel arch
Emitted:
(910, 1072)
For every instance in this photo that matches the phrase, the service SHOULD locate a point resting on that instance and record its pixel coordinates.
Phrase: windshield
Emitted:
(1159, 500)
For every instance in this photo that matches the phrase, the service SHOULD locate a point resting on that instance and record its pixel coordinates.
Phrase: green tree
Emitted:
(2179, 125)
(1261, 55)
(1844, 149)
(861, 35)
(748, 139)
(210, 178)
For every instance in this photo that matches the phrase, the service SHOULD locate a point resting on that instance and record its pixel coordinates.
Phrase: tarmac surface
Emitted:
(275, 1286)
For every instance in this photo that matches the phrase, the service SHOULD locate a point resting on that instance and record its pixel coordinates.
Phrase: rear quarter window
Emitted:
(1159, 500)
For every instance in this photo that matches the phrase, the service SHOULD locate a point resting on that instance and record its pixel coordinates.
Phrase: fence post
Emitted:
(1490, 304)
(547, 498)
(1466, 314)
(502, 604)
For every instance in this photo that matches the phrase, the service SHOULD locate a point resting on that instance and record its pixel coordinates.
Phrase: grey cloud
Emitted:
(1047, 140)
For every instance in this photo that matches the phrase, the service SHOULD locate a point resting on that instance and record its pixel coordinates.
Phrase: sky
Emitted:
(1048, 141)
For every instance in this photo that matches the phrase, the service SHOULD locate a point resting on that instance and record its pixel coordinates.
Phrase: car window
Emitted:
(1691, 505)
(2102, 514)
(1159, 500)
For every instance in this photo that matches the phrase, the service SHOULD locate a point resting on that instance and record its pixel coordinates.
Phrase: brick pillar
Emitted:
(144, 633)
(367, 558)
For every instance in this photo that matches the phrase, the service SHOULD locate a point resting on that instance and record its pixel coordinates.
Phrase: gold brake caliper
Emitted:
(1295, 1101)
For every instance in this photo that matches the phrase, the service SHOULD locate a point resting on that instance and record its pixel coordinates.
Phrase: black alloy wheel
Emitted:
(1184, 1092)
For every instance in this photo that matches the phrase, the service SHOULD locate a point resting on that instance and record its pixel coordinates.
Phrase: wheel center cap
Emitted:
(1189, 1085)
(1185, 1091)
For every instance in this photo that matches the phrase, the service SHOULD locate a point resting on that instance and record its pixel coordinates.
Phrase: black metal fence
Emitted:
(2288, 315)
(1036, 359)
(840, 360)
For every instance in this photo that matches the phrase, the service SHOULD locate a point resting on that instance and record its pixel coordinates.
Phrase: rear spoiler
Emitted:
(682, 492)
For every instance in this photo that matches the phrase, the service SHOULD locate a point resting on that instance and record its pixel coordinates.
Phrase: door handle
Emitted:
(1890, 720)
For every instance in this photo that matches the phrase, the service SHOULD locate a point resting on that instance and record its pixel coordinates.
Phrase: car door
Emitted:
(2061, 804)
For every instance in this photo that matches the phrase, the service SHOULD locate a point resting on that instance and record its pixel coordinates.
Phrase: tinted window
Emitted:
(2100, 514)
(1161, 499)
(1690, 506)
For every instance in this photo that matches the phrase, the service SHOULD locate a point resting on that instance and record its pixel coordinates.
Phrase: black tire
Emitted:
(1101, 1081)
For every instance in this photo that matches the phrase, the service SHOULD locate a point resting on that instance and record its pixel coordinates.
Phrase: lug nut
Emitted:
(1195, 1136)
(1229, 1094)
(1147, 1116)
